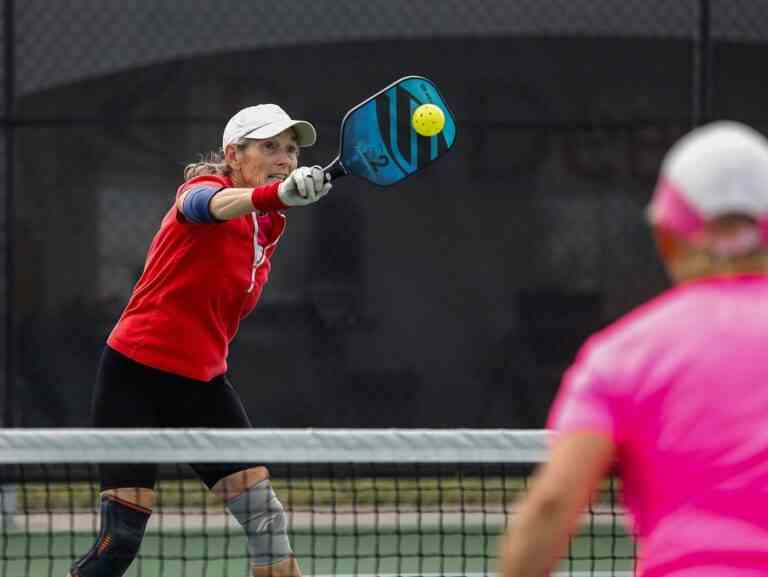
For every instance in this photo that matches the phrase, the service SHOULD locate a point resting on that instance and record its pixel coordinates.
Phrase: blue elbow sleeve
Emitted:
(196, 204)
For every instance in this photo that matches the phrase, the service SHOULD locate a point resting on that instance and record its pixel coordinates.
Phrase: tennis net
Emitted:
(360, 502)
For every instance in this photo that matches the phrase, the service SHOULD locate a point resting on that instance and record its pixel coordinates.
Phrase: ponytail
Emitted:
(211, 163)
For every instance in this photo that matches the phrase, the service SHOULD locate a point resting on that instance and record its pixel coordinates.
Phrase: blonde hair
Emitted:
(212, 163)
(731, 246)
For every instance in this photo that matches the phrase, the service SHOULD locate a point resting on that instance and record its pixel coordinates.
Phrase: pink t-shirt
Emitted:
(681, 387)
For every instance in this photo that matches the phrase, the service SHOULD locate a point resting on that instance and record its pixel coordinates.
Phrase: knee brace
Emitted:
(122, 529)
(263, 518)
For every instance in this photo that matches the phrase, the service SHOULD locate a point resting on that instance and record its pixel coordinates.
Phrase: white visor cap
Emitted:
(265, 121)
(719, 169)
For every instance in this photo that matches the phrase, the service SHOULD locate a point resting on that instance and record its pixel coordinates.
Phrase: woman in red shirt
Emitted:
(165, 363)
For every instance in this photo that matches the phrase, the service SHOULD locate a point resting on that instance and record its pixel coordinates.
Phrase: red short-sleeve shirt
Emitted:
(199, 281)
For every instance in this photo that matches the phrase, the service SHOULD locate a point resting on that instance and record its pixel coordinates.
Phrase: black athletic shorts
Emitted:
(132, 395)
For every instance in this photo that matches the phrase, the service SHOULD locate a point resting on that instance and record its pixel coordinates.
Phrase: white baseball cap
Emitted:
(715, 170)
(266, 121)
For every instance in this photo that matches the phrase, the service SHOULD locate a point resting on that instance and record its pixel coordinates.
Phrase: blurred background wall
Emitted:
(454, 299)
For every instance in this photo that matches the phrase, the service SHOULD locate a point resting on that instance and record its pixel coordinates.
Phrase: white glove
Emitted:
(305, 185)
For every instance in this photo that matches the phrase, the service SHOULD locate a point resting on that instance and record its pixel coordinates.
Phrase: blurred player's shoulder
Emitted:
(679, 314)
(683, 312)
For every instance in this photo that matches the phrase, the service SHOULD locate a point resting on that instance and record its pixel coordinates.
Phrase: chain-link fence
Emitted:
(453, 299)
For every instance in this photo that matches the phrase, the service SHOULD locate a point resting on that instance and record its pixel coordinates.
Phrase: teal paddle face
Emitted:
(378, 142)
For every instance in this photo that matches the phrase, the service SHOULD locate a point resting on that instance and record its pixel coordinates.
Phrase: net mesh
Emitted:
(359, 502)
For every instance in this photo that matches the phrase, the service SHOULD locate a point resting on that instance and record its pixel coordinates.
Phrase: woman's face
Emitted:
(263, 161)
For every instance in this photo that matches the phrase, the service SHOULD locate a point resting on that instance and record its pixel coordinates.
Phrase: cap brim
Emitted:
(305, 132)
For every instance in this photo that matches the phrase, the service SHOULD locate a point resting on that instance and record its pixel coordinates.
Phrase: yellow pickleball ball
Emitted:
(428, 120)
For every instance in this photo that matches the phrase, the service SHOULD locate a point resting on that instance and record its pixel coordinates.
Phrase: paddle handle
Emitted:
(335, 169)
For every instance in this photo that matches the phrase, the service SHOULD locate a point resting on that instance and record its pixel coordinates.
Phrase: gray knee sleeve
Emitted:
(262, 516)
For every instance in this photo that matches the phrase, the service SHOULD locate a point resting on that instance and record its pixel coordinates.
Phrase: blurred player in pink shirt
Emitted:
(676, 392)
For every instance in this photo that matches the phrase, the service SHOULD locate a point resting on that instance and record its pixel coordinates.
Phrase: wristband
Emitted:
(265, 198)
